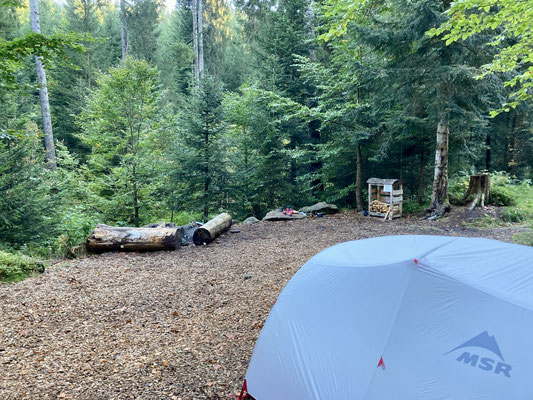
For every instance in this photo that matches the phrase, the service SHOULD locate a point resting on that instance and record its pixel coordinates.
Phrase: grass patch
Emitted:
(483, 222)
(16, 267)
(522, 210)
(525, 238)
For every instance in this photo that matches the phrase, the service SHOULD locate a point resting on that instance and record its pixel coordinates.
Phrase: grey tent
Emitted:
(402, 318)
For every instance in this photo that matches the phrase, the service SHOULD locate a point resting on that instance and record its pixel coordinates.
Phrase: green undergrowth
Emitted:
(16, 267)
(413, 207)
(525, 238)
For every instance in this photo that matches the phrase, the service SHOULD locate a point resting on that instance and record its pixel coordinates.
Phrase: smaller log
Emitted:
(111, 238)
(209, 231)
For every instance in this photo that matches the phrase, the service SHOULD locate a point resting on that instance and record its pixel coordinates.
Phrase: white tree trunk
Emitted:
(194, 8)
(200, 38)
(43, 93)
(123, 29)
(439, 196)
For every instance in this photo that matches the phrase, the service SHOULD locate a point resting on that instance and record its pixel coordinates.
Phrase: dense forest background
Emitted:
(243, 106)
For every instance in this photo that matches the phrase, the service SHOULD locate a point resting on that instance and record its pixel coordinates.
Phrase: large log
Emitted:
(111, 238)
(209, 231)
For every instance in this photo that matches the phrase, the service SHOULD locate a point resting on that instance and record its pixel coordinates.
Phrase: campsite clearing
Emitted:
(167, 325)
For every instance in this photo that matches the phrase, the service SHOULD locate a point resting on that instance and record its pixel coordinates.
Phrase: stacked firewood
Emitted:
(379, 206)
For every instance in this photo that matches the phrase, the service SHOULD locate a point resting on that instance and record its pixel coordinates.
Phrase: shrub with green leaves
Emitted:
(16, 267)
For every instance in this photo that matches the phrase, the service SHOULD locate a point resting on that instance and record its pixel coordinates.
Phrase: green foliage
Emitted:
(184, 217)
(501, 195)
(413, 207)
(125, 128)
(511, 22)
(27, 203)
(513, 215)
(201, 178)
(142, 20)
(525, 238)
(16, 267)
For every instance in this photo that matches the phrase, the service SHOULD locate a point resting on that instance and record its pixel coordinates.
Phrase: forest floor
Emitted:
(168, 325)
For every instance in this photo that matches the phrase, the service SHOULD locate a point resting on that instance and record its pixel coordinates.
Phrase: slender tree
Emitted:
(43, 92)
(123, 29)
(194, 8)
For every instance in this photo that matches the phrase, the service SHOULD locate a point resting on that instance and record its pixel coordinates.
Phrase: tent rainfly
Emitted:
(402, 318)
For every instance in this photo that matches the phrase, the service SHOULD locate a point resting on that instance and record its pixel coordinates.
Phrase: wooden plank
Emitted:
(397, 192)
(387, 199)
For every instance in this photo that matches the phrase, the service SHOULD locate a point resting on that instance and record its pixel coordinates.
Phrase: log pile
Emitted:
(379, 207)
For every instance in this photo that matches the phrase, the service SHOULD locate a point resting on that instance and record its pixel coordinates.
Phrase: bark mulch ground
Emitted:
(166, 325)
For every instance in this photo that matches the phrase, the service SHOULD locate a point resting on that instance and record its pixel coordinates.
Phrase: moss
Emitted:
(16, 267)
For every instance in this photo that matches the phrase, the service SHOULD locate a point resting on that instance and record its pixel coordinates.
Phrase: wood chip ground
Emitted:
(165, 325)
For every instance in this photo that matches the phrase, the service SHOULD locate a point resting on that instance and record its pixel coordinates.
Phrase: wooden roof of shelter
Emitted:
(378, 181)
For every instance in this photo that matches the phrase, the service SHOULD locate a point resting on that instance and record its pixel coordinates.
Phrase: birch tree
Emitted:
(43, 93)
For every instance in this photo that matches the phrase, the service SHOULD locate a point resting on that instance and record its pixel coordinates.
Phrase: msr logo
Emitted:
(487, 342)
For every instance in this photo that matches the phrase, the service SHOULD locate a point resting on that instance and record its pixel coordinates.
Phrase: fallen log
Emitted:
(112, 238)
(210, 230)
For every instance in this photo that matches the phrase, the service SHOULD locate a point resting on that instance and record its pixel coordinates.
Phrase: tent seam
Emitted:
(392, 328)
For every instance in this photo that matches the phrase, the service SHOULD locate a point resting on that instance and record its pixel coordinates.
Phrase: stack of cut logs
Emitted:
(379, 207)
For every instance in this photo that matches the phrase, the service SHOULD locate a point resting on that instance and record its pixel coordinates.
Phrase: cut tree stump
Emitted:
(111, 238)
(210, 230)
(478, 191)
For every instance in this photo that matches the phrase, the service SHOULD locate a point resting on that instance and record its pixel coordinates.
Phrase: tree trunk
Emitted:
(208, 232)
(123, 29)
(200, 39)
(358, 181)
(421, 178)
(194, 9)
(313, 132)
(488, 153)
(439, 196)
(206, 172)
(110, 238)
(43, 93)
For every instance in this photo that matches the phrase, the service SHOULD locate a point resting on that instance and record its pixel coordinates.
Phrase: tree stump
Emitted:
(209, 231)
(478, 191)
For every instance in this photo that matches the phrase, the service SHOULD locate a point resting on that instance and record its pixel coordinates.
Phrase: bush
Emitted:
(184, 218)
(412, 207)
(16, 267)
(513, 215)
(502, 196)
